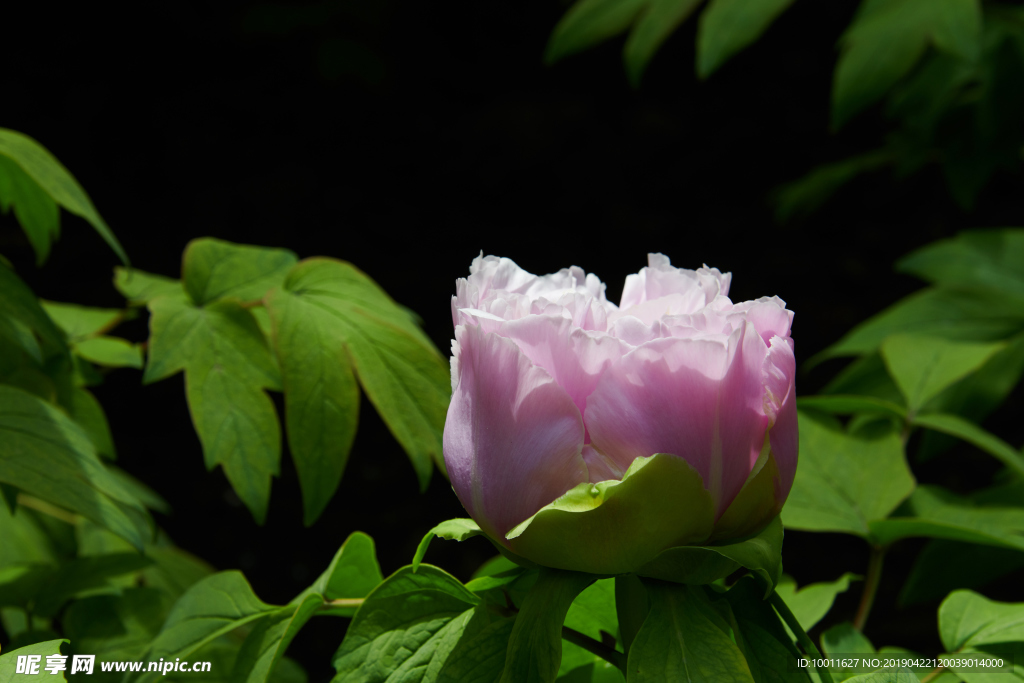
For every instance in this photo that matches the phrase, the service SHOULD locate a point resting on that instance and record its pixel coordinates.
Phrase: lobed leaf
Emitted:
(811, 603)
(987, 259)
(967, 619)
(844, 483)
(352, 573)
(214, 269)
(227, 365)
(923, 366)
(140, 287)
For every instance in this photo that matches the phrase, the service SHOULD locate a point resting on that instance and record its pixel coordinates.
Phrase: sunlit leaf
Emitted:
(214, 269)
(139, 287)
(227, 367)
(35, 210)
(924, 365)
(967, 619)
(844, 483)
(812, 602)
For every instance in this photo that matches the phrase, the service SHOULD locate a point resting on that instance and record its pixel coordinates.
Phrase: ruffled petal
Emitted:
(513, 438)
(700, 399)
(661, 279)
(575, 358)
(780, 406)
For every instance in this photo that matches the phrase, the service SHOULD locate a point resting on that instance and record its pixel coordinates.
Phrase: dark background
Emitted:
(408, 136)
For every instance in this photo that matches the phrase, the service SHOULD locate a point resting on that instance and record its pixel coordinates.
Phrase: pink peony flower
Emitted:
(558, 392)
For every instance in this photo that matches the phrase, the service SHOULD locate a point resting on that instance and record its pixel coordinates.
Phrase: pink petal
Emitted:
(513, 437)
(769, 316)
(780, 406)
(660, 278)
(700, 399)
(575, 358)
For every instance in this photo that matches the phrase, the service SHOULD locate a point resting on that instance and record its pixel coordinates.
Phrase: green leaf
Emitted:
(591, 613)
(967, 619)
(212, 607)
(943, 566)
(988, 259)
(652, 28)
(48, 456)
(412, 620)
(266, 644)
(19, 303)
(25, 541)
(844, 639)
(321, 396)
(85, 573)
(9, 660)
(36, 212)
(804, 196)
(590, 22)
(768, 649)
(812, 602)
(479, 654)
(975, 435)
(844, 483)
(703, 564)
(111, 352)
(56, 181)
(728, 26)
(174, 571)
(886, 39)
(81, 322)
(684, 638)
(933, 512)
(140, 287)
(840, 404)
(87, 412)
(886, 676)
(403, 375)
(535, 646)
(215, 269)
(227, 365)
(352, 573)
(458, 529)
(924, 365)
(957, 315)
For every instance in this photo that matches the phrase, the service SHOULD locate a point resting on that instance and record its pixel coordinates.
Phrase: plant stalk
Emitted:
(595, 647)
(804, 640)
(871, 579)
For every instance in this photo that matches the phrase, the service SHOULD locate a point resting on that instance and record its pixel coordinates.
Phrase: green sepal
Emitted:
(703, 564)
(615, 527)
(458, 529)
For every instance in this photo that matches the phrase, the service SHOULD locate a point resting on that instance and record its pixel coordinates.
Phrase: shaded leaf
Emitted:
(728, 26)
(270, 637)
(656, 23)
(943, 566)
(933, 512)
(35, 210)
(212, 607)
(804, 196)
(841, 404)
(352, 573)
(589, 22)
(768, 649)
(535, 645)
(989, 259)
(87, 412)
(684, 638)
(9, 660)
(975, 435)
(111, 352)
(56, 181)
(45, 454)
(812, 602)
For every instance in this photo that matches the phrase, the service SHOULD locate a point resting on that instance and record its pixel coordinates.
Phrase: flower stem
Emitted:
(867, 598)
(933, 674)
(595, 647)
(804, 640)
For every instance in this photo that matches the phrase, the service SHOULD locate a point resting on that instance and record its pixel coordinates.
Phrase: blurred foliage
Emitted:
(948, 74)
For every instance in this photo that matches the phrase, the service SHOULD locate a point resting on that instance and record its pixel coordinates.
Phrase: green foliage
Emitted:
(325, 330)
(8, 660)
(728, 26)
(845, 482)
(811, 603)
(36, 184)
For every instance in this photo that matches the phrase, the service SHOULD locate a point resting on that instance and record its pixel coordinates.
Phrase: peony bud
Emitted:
(588, 436)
